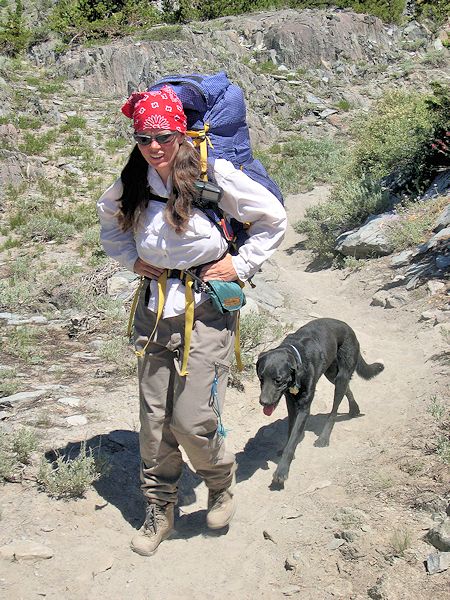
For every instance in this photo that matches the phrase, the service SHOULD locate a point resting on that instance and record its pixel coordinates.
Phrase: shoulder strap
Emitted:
(210, 210)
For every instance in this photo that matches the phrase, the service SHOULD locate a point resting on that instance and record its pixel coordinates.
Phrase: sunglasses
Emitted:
(161, 139)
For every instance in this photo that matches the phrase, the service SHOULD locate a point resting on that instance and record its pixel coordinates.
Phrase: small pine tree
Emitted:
(14, 34)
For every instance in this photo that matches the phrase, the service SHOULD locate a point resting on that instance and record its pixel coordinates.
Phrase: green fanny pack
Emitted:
(226, 296)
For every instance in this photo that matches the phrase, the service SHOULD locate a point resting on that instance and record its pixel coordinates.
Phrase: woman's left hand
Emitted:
(222, 269)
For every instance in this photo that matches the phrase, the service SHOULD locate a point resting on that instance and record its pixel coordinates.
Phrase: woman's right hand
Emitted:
(146, 269)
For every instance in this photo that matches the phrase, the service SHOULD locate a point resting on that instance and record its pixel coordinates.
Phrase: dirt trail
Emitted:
(359, 471)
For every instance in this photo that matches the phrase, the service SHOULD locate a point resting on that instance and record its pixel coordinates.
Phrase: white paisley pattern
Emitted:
(156, 122)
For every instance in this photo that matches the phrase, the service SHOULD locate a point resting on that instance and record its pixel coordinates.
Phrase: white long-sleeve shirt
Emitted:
(155, 242)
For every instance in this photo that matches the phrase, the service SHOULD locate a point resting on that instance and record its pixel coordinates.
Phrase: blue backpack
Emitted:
(216, 121)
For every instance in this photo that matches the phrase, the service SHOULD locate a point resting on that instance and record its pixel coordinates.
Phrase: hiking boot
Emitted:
(157, 527)
(221, 508)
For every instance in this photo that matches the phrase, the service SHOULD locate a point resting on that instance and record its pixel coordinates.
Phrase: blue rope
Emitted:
(215, 404)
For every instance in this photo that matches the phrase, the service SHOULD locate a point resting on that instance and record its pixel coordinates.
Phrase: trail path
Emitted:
(359, 472)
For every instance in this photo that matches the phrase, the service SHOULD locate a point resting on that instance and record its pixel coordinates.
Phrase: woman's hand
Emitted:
(222, 269)
(146, 269)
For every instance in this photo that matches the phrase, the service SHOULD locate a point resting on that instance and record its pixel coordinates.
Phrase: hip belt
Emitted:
(225, 297)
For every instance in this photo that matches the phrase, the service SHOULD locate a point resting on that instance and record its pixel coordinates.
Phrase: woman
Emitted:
(150, 225)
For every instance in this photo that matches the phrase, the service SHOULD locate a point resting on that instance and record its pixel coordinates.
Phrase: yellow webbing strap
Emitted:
(237, 343)
(188, 323)
(201, 141)
(162, 282)
(134, 306)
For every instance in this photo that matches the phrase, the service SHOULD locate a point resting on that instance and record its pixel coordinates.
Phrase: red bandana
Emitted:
(160, 109)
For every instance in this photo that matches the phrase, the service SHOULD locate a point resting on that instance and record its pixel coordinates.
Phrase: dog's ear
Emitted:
(258, 362)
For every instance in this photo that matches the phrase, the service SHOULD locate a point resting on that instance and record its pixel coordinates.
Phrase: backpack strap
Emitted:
(210, 210)
(162, 283)
(188, 323)
(201, 141)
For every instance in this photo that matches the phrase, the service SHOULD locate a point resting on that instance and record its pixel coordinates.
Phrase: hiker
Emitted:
(158, 239)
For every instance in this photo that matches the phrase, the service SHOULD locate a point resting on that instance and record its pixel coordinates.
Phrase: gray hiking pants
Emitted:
(179, 411)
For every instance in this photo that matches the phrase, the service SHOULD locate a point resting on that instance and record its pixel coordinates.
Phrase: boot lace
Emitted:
(217, 497)
(155, 515)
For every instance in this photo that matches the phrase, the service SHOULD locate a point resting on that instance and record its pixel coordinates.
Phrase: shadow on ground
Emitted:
(120, 484)
(269, 441)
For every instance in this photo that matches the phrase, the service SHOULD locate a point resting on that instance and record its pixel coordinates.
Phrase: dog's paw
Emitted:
(279, 477)
(354, 414)
(321, 443)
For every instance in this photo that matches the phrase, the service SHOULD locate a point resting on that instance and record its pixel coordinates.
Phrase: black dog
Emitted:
(321, 347)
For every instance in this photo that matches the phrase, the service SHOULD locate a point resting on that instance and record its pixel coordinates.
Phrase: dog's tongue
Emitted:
(268, 410)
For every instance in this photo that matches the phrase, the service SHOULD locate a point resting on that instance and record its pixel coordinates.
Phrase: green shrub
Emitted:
(436, 58)
(82, 216)
(437, 10)
(91, 237)
(15, 36)
(44, 228)
(73, 123)
(23, 343)
(52, 86)
(8, 464)
(391, 135)
(302, 163)
(114, 144)
(70, 478)
(15, 294)
(50, 192)
(396, 141)
(37, 144)
(27, 122)
(163, 33)
(351, 202)
(415, 223)
(182, 10)
(18, 289)
(23, 443)
(400, 541)
(8, 382)
(443, 448)
(116, 351)
(440, 412)
(82, 20)
(10, 243)
(437, 409)
(343, 105)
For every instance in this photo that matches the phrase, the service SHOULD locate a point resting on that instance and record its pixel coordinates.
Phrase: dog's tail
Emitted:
(367, 371)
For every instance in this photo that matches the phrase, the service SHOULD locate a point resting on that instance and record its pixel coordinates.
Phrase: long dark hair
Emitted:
(185, 171)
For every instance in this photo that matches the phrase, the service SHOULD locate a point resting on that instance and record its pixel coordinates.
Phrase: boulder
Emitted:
(437, 562)
(439, 535)
(369, 240)
(443, 221)
(439, 186)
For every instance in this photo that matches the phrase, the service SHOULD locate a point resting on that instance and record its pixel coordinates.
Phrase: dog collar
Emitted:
(295, 389)
(297, 353)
